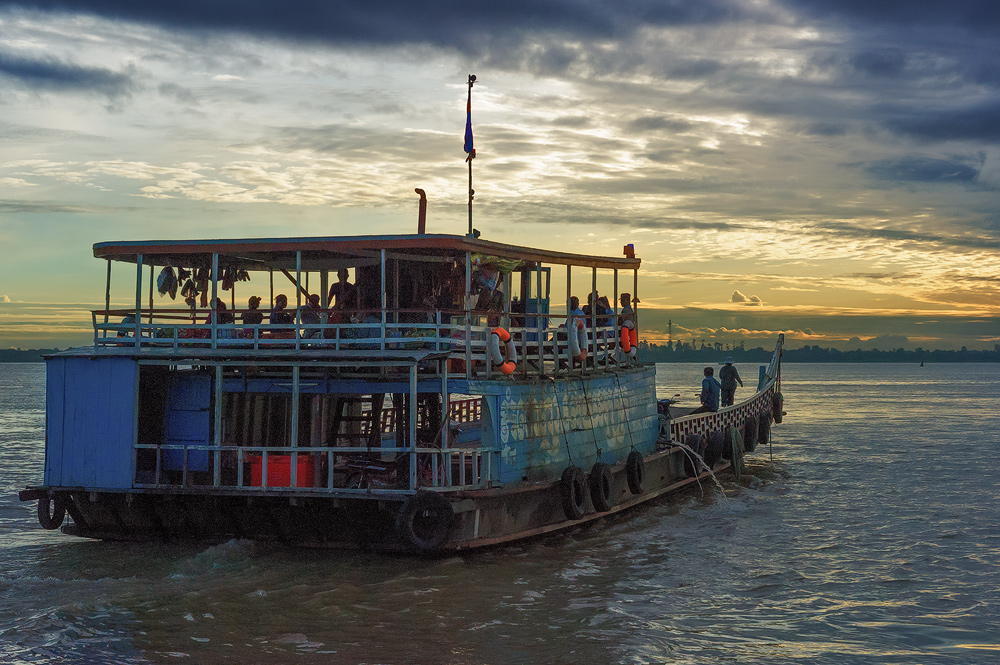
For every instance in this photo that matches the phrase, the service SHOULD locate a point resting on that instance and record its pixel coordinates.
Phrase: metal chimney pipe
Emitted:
(422, 216)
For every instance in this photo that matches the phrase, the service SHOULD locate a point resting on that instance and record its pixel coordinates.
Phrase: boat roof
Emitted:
(336, 251)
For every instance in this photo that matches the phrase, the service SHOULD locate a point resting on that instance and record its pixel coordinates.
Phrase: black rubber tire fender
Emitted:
(764, 431)
(727, 445)
(635, 472)
(713, 451)
(573, 487)
(424, 521)
(777, 404)
(750, 432)
(51, 512)
(602, 487)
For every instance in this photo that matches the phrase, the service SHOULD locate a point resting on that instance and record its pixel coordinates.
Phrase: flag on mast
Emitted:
(469, 146)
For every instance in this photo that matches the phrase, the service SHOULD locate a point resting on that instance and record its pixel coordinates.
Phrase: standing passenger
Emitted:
(730, 377)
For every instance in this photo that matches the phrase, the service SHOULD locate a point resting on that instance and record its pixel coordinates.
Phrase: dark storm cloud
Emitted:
(448, 23)
(854, 231)
(981, 15)
(51, 74)
(922, 169)
(977, 122)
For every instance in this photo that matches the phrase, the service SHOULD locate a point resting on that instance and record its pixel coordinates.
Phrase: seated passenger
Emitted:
(253, 315)
(710, 391)
(310, 314)
(278, 313)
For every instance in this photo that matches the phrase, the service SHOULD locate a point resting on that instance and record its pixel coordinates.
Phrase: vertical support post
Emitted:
(151, 280)
(137, 330)
(413, 426)
(107, 296)
(298, 297)
(468, 315)
(214, 304)
(294, 439)
(635, 303)
(614, 321)
(217, 428)
(385, 300)
(538, 320)
(324, 292)
(445, 417)
(569, 294)
(593, 312)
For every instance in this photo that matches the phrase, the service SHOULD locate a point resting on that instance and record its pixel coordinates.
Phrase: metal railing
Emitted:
(541, 350)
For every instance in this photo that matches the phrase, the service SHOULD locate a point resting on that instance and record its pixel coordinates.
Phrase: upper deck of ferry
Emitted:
(411, 298)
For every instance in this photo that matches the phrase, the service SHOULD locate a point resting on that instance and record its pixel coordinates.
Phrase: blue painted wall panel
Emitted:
(189, 420)
(55, 371)
(97, 428)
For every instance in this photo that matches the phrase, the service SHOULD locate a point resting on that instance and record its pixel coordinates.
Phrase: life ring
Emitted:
(424, 521)
(505, 360)
(573, 487)
(625, 340)
(51, 512)
(750, 432)
(635, 472)
(714, 448)
(578, 342)
(601, 487)
(764, 430)
(777, 404)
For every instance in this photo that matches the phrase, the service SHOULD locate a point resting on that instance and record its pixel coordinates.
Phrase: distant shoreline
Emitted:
(663, 354)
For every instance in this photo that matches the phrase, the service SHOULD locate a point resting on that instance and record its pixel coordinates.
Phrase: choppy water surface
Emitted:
(872, 536)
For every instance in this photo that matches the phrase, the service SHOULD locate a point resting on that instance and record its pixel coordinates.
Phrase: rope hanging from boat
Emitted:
(586, 400)
(562, 423)
(628, 423)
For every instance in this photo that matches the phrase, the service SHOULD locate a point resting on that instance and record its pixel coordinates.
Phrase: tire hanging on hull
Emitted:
(424, 521)
(573, 487)
(635, 472)
(750, 432)
(601, 487)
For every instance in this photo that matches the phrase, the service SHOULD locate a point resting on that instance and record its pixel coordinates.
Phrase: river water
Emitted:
(868, 533)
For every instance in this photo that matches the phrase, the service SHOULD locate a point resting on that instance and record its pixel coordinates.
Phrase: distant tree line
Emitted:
(24, 355)
(716, 353)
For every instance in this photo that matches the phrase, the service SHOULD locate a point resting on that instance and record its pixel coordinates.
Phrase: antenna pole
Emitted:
(469, 146)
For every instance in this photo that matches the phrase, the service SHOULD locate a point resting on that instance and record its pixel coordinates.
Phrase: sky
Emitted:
(828, 169)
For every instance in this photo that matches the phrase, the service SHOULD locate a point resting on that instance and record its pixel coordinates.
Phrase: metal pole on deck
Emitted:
(298, 296)
(107, 296)
(151, 280)
(614, 321)
(138, 298)
(470, 146)
(294, 442)
(215, 302)
(217, 428)
(385, 301)
(468, 315)
(413, 426)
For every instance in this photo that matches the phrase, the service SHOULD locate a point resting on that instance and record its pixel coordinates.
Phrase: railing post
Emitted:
(214, 305)
(217, 428)
(294, 441)
(413, 426)
(138, 299)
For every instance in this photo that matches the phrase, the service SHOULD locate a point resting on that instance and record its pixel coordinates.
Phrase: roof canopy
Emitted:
(330, 253)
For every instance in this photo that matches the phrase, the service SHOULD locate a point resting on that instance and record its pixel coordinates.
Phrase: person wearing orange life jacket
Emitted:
(629, 333)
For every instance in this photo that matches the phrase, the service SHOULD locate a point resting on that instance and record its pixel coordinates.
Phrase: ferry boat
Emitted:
(445, 399)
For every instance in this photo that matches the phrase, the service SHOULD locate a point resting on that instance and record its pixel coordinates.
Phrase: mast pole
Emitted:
(470, 146)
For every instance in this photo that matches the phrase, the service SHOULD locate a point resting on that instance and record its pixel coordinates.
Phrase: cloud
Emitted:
(922, 169)
(4, 298)
(56, 75)
(739, 297)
